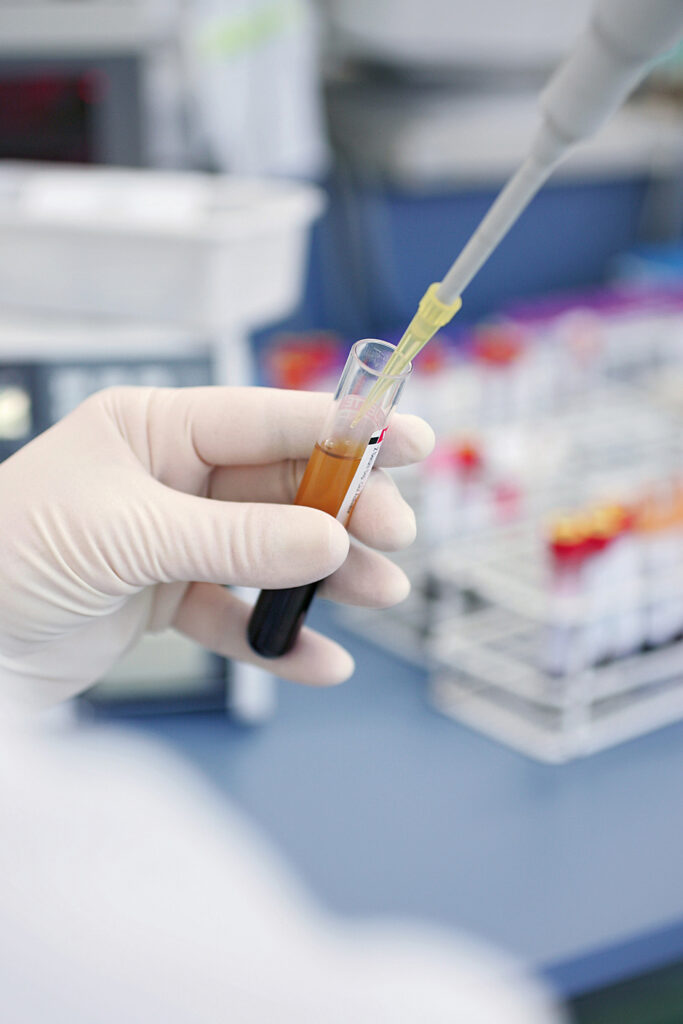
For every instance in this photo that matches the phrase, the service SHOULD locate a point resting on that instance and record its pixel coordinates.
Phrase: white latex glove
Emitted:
(129, 513)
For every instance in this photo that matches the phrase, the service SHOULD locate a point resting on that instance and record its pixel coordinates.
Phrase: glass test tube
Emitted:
(335, 475)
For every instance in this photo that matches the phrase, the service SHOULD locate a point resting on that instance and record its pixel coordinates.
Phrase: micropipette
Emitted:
(610, 58)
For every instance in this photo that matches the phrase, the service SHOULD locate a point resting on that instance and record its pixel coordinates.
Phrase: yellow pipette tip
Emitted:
(432, 313)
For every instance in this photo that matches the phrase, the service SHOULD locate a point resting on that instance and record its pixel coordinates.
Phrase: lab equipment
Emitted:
(63, 361)
(610, 58)
(431, 315)
(17, 417)
(162, 247)
(337, 471)
(253, 72)
(442, 33)
(571, 650)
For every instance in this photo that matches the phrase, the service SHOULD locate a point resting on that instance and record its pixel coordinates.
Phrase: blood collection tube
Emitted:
(599, 598)
(568, 551)
(498, 349)
(337, 471)
(657, 528)
(621, 579)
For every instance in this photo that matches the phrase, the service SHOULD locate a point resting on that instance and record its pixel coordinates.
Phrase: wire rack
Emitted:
(482, 615)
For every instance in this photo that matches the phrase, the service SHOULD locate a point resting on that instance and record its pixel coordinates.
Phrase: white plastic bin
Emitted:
(528, 33)
(207, 251)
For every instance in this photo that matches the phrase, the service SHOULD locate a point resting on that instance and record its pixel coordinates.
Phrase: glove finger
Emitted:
(382, 518)
(239, 426)
(177, 432)
(409, 439)
(366, 578)
(217, 619)
(169, 536)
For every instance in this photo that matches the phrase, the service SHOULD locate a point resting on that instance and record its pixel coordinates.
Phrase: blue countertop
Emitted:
(385, 807)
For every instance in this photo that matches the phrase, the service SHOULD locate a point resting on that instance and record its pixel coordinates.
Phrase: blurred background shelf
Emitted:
(105, 27)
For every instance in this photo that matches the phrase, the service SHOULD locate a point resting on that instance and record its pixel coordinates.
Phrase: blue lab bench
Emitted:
(385, 807)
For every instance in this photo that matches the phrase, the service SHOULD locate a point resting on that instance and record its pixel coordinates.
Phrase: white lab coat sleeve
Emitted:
(130, 892)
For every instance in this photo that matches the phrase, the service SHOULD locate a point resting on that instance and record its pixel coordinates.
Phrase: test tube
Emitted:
(337, 470)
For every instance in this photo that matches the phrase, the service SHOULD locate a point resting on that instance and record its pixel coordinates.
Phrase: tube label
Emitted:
(361, 475)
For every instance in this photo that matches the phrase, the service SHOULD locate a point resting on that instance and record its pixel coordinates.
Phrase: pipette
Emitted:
(609, 59)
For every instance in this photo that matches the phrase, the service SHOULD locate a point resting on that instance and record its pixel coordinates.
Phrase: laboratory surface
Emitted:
(386, 808)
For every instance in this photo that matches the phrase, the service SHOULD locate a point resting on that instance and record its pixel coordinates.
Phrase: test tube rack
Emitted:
(490, 662)
(482, 614)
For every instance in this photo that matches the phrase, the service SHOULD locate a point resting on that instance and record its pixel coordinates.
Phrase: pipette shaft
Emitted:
(608, 61)
(508, 206)
(610, 58)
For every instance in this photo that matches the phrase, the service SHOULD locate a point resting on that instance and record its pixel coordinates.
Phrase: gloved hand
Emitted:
(129, 513)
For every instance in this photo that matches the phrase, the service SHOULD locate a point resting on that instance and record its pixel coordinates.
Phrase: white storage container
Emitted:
(212, 252)
(493, 33)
